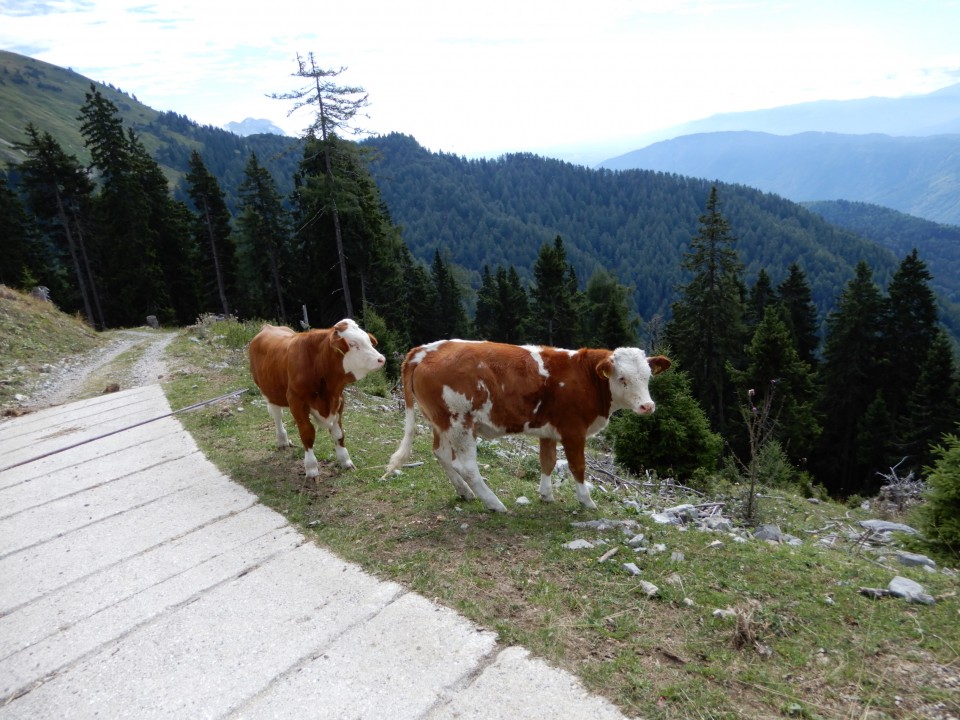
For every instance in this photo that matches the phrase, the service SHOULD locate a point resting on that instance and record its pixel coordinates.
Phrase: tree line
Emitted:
(112, 243)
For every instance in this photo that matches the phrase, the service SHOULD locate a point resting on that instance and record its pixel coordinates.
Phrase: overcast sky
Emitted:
(493, 76)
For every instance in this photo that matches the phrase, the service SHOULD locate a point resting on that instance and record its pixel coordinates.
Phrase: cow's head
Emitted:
(628, 370)
(359, 357)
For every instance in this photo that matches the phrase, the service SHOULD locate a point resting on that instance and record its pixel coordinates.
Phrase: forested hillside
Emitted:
(50, 98)
(915, 175)
(635, 224)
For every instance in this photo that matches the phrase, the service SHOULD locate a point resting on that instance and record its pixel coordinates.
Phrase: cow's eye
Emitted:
(623, 381)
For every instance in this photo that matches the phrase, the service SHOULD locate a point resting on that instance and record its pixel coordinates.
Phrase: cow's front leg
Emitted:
(578, 467)
(301, 414)
(548, 461)
(276, 412)
(334, 425)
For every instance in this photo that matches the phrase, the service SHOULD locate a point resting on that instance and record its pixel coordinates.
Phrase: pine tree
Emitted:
(263, 247)
(909, 327)
(775, 373)
(613, 324)
(761, 295)
(334, 108)
(801, 314)
(707, 331)
(851, 381)
(933, 407)
(554, 315)
(126, 211)
(450, 320)
(213, 230)
(59, 194)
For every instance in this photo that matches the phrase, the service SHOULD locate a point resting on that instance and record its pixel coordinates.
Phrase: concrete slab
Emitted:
(139, 582)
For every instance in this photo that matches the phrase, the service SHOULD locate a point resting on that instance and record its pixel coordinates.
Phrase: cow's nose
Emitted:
(381, 360)
(646, 408)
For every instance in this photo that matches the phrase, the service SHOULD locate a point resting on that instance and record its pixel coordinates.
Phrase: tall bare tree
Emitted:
(334, 108)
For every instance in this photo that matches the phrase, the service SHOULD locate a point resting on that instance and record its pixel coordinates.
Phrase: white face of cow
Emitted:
(630, 381)
(360, 357)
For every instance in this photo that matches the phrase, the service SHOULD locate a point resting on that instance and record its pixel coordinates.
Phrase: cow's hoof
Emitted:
(546, 498)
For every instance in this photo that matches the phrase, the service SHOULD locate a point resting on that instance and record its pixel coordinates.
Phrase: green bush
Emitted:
(939, 517)
(675, 441)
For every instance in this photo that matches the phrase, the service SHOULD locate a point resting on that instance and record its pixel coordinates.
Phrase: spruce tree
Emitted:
(609, 317)
(60, 194)
(450, 319)
(263, 246)
(776, 374)
(334, 107)
(851, 382)
(761, 295)
(801, 314)
(554, 312)
(213, 233)
(933, 407)
(20, 261)
(707, 331)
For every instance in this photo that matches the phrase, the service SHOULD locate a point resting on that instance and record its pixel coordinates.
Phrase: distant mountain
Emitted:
(252, 126)
(915, 175)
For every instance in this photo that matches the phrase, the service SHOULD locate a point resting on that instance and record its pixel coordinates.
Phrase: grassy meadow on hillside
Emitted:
(795, 637)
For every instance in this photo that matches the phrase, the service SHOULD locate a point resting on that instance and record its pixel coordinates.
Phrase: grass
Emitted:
(801, 640)
(34, 337)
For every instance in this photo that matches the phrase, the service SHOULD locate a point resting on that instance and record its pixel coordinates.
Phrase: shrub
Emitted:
(675, 441)
(939, 516)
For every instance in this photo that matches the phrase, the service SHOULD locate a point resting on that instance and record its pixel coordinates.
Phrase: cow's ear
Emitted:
(605, 368)
(340, 326)
(658, 364)
(373, 339)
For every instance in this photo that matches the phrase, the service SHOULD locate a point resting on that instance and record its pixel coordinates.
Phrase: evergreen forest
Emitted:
(830, 349)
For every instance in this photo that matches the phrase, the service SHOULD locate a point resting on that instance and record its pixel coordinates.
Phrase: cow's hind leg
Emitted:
(276, 412)
(548, 461)
(446, 462)
(460, 451)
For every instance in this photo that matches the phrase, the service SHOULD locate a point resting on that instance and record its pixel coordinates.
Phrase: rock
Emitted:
(909, 590)
(913, 559)
(578, 545)
(522, 500)
(725, 613)
(768, 532)
(649, 588)
(637, 541)
(885, 526)
(685, 512)
(631, 568)
(665, 518)
(717, 523)
(676, 556)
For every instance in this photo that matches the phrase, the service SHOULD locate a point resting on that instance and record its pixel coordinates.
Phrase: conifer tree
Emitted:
(502, 307)
(707, 331)
(775, 373)
(801, 314)
(263, 246)
(850, 380)
(761, 295)
(933, 407)
(59, 194)
(213, 230)
(450, 317)
(334, 107)
(20, 261)
(608, 315)
(555, 315)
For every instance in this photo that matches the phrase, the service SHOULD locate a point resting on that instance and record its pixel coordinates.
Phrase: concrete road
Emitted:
(137, 581)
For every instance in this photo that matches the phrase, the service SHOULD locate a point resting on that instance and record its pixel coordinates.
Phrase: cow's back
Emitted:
(269, 354)
(501, 385)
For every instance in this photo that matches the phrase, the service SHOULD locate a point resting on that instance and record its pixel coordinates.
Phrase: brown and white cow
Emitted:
(468, 389)
(307, 373)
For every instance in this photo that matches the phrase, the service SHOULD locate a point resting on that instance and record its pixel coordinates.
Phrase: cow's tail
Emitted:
(403, 452)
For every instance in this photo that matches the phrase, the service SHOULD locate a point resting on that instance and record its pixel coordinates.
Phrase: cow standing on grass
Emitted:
(468, 389)
(307, 373)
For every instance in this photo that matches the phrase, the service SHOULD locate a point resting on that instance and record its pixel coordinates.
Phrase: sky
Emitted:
(481, 78)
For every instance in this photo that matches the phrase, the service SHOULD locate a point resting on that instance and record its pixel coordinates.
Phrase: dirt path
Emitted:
(133, 358)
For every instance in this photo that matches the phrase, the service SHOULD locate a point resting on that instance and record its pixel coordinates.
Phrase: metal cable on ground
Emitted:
(119, 430)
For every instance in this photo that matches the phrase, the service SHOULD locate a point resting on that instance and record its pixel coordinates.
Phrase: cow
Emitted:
(467, 389)
(307, 373)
